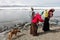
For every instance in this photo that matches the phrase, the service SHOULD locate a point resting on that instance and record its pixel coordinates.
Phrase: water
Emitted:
(17, 15)
(10, 17)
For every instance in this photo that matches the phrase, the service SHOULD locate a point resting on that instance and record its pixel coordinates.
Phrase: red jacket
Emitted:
(37, 18)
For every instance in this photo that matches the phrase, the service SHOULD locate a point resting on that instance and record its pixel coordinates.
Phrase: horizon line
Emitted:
(28, 7)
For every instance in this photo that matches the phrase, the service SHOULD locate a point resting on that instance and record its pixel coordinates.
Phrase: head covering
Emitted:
(38, 14)
(51, 14)
(51, 10)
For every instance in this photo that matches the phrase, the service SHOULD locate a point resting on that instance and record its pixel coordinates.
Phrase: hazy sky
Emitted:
(31, 2)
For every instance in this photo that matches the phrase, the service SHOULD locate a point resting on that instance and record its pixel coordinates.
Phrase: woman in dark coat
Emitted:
(46, 21)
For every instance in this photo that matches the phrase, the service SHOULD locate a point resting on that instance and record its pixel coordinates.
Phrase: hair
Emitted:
(32, 9)
(33, 13)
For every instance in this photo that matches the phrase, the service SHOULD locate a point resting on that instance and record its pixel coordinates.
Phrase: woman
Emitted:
(46, 21)
(34, 27)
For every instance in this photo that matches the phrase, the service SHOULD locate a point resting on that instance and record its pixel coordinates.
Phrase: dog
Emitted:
(13, 32)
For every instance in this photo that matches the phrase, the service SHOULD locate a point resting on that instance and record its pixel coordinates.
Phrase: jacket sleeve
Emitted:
(40, 18)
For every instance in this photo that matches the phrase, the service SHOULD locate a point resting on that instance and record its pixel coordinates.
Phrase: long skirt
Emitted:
(46, 25)
(33, 29)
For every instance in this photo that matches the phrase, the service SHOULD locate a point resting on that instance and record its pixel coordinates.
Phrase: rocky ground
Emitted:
(54, 34)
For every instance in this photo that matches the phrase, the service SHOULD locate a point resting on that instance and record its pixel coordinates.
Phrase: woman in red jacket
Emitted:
(34, 27)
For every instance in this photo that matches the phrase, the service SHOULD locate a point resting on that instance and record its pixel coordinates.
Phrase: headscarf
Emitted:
(51, 10)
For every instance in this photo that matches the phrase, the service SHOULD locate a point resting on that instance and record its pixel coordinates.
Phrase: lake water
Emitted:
(11, 17)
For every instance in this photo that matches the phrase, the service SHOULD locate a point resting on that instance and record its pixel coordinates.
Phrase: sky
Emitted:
(54, 3)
